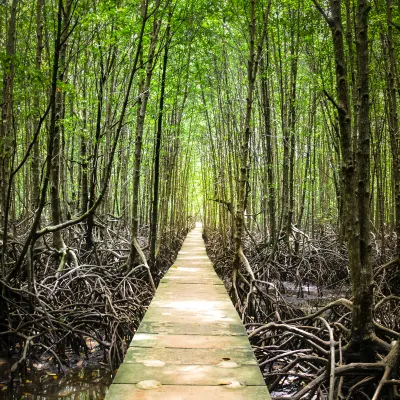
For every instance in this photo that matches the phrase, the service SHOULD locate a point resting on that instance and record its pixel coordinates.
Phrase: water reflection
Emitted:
(88, 383)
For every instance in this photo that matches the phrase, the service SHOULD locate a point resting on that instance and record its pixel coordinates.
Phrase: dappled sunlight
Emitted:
(188, 269)
(193, 257)
(197, 305)
(191, 252)
(142, 336)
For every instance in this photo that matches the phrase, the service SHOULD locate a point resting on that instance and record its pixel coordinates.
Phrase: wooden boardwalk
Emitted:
(191, 344)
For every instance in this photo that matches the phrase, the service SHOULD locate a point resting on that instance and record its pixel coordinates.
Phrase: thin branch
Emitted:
(323, 13)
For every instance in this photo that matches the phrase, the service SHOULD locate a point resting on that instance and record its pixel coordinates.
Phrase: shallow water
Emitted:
(87, 383)
(311, 295)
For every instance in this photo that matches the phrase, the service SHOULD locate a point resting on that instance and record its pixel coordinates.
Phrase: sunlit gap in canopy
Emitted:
(195, 189)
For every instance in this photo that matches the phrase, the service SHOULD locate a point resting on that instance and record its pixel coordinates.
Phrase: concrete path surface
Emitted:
(191, 344)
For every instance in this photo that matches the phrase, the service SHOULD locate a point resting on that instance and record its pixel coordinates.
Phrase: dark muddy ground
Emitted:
(84, 379)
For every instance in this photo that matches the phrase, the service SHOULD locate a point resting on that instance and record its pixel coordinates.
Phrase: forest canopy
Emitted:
(275, 123)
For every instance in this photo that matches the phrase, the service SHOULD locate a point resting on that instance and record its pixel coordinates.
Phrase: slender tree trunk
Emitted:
(139, 134)
(32, 237)
(292, 124)
(36, 105)
(393, 121)
(245, 149)
(266, 101)
(6, 128)
(84, 165)
(55, 201)
(154, 214)
(95, 161)
(311, 127)
(352, 71)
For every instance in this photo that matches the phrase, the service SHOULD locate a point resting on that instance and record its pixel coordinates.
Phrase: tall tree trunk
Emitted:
(95, 160)
(139, 135)
(6, 129)
(154, 214)
(352, 70)
(84, 186)
(266, 103)
(356, 201)
(311, 127)
(32, 237)
(393, 121)
(363, 325)
(36, 105)
(55, 201)
(252, 67)
(292, 124)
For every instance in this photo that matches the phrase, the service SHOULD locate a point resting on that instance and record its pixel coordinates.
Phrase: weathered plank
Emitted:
(191, 343)
(181, 392)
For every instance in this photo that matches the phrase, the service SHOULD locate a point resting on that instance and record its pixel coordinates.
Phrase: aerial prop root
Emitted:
(89, 302)
(309, 349)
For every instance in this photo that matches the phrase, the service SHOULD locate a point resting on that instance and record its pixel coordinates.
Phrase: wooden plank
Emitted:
(189, 341)
(192, 328)
(132, 392)
(204, 375)
(190, 356)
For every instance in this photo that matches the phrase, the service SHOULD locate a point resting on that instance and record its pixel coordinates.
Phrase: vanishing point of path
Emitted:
(191, 344)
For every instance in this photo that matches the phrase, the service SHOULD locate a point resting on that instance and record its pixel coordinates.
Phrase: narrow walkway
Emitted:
(191, 343)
